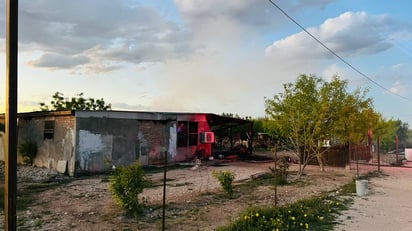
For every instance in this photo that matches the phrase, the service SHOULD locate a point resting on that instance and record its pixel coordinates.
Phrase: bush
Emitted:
(281, 172)
(125, 184)
(28, 150)
(225, 179)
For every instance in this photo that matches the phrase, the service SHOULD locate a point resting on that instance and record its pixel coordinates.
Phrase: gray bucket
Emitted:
(361, 187)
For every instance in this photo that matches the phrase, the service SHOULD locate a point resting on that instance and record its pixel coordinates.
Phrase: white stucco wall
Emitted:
(172, 141)
(93, 147)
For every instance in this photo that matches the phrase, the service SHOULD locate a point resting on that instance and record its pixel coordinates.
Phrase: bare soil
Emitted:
(195, 200)
(387, 206)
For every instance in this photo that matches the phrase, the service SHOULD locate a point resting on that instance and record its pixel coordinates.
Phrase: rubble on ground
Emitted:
(31, 173)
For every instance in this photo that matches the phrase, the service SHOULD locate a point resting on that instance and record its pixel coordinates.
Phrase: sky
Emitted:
(208, 56)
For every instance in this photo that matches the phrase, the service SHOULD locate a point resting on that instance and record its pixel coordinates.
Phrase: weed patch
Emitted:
(316, 213)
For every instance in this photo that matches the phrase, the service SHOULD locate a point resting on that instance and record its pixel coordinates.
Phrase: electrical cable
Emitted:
(335, 54)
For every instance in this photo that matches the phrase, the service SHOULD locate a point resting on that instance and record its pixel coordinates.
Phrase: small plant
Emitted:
(225, 179)
(317, 213)
(281, 172)
(28, 150)
(125, 184)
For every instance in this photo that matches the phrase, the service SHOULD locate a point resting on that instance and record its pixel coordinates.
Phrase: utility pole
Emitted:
(10, 189)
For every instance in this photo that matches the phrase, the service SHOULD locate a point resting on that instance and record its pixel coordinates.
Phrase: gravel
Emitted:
(27, 173)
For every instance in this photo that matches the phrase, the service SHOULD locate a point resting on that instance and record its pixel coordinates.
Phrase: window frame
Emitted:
(48, 131)
(187, 134)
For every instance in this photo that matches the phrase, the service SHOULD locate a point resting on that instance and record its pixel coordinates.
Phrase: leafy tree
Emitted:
(270, 127)
(390, 129)
(409, 139)
(231, 115)
(403, 133)
(312, 111)
(78, 102)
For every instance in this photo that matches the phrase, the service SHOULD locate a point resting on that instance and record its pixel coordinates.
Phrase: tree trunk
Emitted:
(321, 163)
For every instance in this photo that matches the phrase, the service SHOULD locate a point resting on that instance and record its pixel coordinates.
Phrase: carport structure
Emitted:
(230, 128)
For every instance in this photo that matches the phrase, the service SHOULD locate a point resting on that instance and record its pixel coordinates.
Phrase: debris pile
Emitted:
(31, 173)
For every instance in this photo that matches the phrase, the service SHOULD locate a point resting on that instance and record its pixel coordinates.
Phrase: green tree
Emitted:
(312, 111)
(389, 130)
(59, 103)
(269, 126)
(403, 134)
(409, 139)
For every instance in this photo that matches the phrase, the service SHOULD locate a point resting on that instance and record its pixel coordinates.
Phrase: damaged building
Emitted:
(96, 141)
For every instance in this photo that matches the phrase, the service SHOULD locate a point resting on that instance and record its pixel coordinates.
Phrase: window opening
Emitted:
(182, 133)
(193, 135)
(48, 129)
(187, 134)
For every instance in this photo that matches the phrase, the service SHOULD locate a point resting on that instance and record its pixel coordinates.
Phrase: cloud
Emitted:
(344, 73)
(2, 45)
(248, 13)
(396, 78)
(125, 31)
(2, 19)
(398, 88)
(60, 61)
(125, 106)
(216, 84)
(297, 4)
(255, 14)
(350, 34)
(114, 30)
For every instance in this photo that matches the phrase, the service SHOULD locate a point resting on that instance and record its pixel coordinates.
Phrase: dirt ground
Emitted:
(193, 201)
(387, 206)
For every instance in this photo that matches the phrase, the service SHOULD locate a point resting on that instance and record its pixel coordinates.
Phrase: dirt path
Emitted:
(388, 205)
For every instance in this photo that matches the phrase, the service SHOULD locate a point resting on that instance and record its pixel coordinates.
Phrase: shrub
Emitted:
(281, 172)
(225, 179)
(125, 184)
(28, 150)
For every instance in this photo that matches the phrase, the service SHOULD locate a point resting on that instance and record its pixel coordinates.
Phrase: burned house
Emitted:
(96, 141)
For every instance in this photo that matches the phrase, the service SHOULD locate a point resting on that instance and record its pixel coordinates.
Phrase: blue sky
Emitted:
(208, 55)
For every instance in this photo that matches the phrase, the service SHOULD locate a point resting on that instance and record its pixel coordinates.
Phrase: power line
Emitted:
(335, 54)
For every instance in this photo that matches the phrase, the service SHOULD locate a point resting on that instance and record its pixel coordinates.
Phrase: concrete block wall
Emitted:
(153, 141)
(50, 151)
